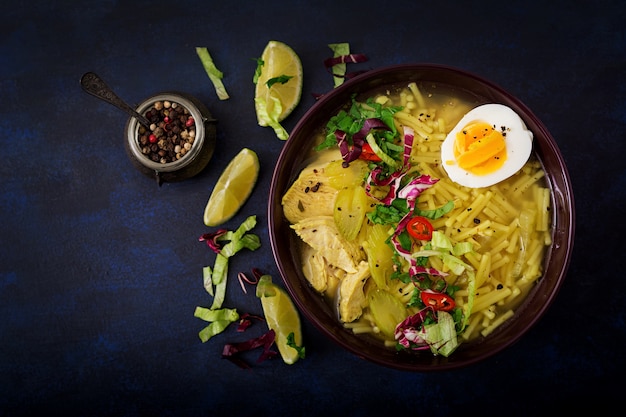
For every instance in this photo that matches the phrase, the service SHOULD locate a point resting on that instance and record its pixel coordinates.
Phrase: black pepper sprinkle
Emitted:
(500, 286)
(316, 187)
(306, 190)
(476, 221)
(171, 134)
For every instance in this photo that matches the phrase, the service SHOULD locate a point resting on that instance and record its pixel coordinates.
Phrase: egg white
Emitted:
(518, 139)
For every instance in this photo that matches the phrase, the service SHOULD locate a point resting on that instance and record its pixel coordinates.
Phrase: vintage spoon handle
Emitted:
(94, 85)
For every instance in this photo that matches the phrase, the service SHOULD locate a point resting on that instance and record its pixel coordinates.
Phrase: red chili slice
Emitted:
(437, 300)
(420, 228)
(368, 154)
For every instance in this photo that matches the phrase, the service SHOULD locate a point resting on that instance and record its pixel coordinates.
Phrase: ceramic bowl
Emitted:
(283, 239)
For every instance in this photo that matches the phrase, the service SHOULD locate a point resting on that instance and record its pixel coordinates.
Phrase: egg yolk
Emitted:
(479, 148)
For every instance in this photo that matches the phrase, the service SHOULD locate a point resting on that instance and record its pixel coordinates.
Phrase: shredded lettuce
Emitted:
(337, 64)
(441, 336)
(436, 213)
(218, 319)
(339, 69)
(442, 247)
(214, 74)
(271, 119)
(215, 278)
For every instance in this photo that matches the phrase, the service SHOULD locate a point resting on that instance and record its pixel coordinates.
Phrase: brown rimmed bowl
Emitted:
(313, 306)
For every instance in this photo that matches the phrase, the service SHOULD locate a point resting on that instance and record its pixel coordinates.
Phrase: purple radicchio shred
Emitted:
(409, 136)
(211, 239)
(245, 321)
(410, 192)
(414, 188)
(342, 143)
(266, 340)
(393, 181)
(409, 333)
(345, 59)
(358, 139)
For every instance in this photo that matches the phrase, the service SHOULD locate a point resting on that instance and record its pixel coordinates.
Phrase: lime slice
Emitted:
(279, 60)
(232, 188)
(281, 316)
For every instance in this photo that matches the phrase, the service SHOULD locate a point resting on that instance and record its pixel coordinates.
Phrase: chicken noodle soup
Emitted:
(404, 253)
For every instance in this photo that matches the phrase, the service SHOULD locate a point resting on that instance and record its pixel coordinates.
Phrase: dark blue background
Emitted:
(100, 269)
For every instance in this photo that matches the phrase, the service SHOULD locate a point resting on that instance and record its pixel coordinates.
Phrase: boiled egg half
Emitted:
(488, 145)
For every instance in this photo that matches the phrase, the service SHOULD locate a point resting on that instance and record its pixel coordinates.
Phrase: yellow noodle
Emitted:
(451, 218)
(437, 136)
(449, 187)
(420, 127)
(474, 259)
(508, 210)
(514, 241)
(500, 263)
(531, 273)
(471, 327)
(543, 198)
(507, 271)
(507, 229)
(535, 255)
(439, 223)
(481, 228)
(417, 94)
(484, 289)
(484, 268)
(477, 209)
(515, 291)
(529, 181)
(489, 313)
(484, 301)
(440, 193)
(427, 157)
(441, 125)
(496, 258)
(403, 98)
(497, 322)
(497, 211)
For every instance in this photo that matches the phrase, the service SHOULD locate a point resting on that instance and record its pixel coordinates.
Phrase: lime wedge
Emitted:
(274, 101)
(281, 316)
(232, 188)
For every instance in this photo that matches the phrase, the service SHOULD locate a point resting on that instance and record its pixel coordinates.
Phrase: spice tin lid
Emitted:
(193, 160)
